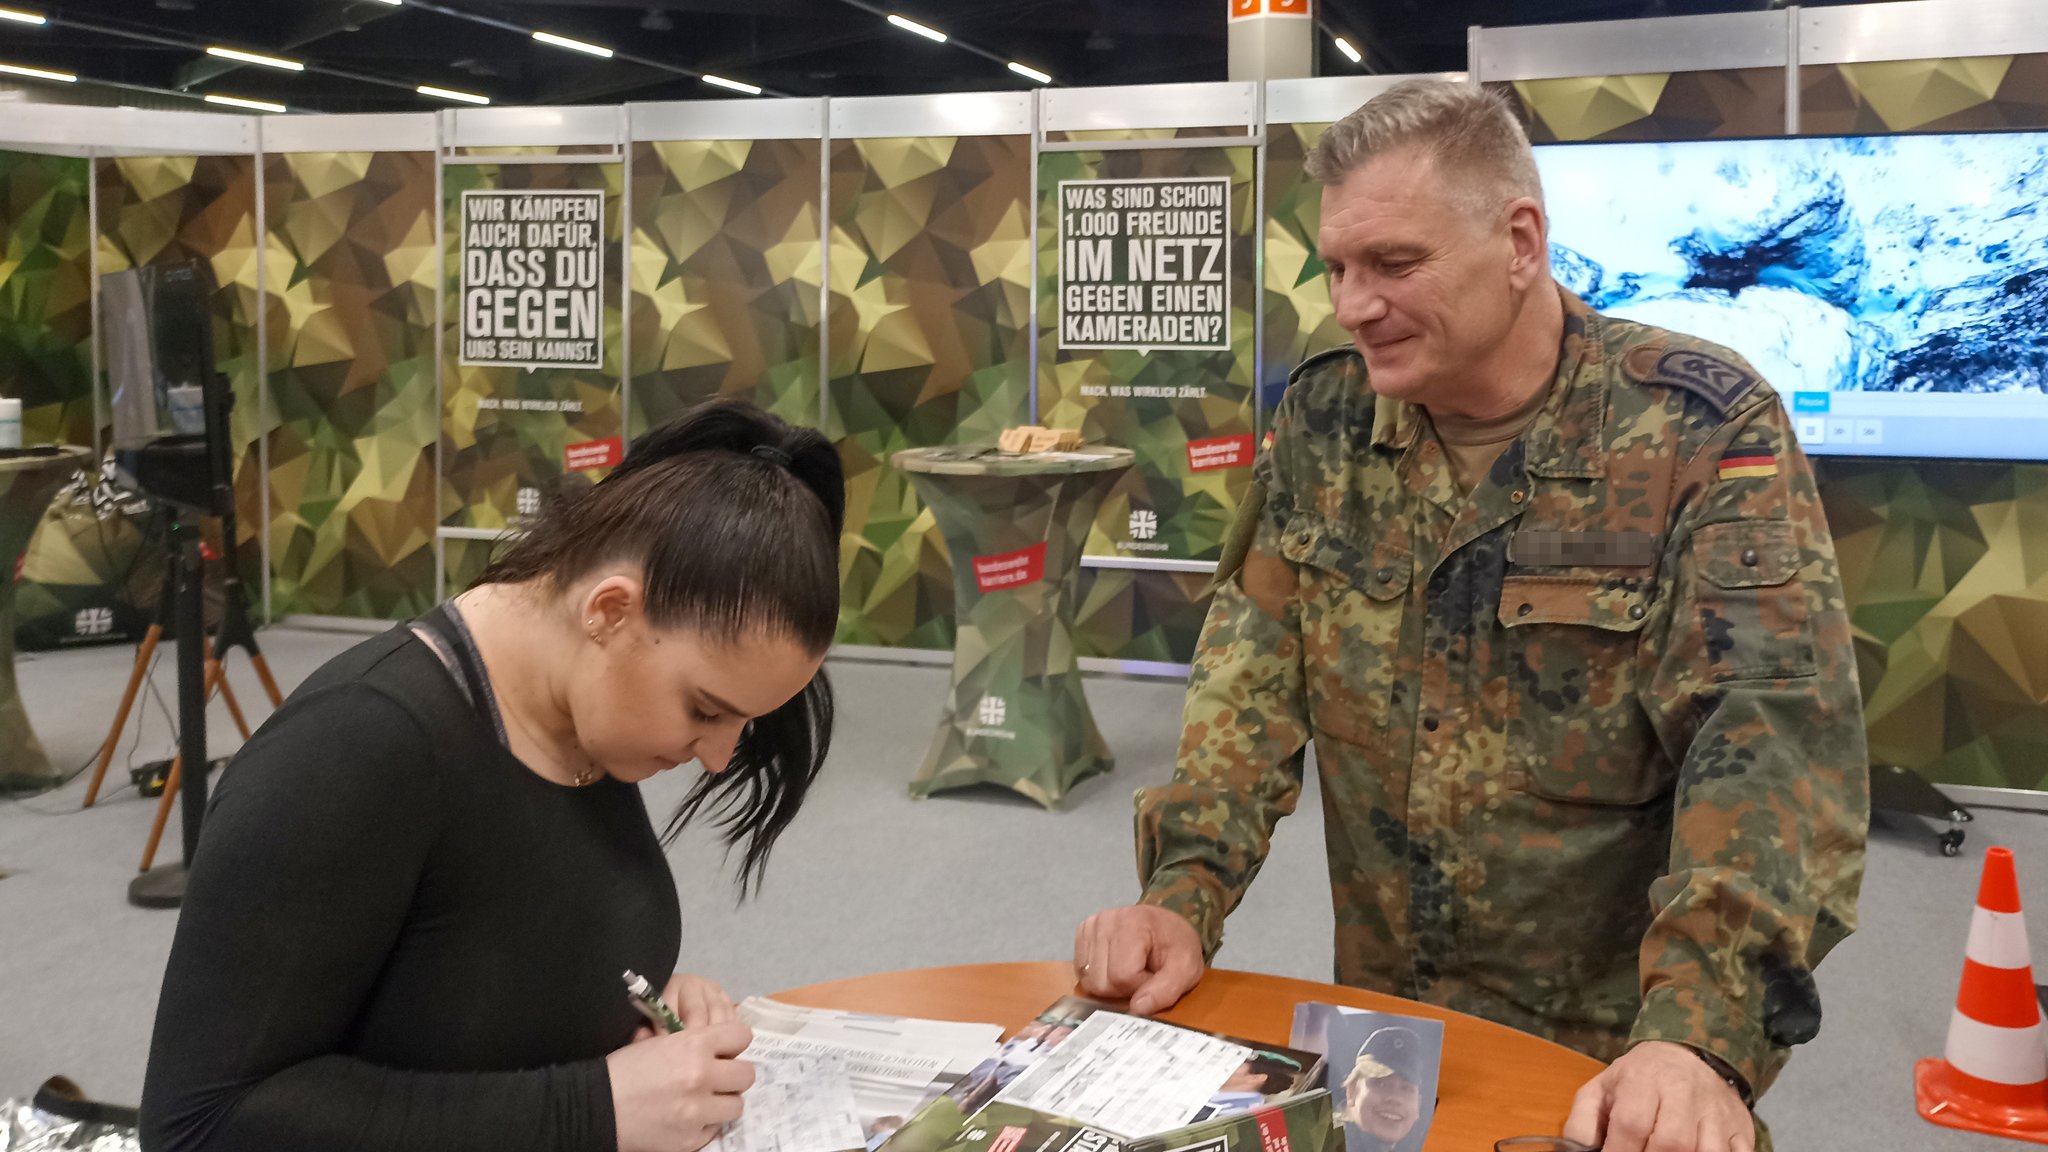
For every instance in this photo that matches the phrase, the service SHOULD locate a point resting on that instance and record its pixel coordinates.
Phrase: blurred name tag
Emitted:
(1549, 548)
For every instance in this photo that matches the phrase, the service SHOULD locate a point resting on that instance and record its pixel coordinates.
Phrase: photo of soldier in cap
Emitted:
(1382, 1098)
(1382, 1072)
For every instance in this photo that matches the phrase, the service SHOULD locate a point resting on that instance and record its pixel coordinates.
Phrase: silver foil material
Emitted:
(26, 1128)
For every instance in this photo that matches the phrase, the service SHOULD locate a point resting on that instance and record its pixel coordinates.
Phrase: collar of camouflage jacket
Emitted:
(1567, 438)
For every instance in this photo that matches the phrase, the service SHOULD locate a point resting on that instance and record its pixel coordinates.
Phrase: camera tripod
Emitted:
(175, 617)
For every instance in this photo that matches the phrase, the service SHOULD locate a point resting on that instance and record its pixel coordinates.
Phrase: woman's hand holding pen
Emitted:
(673, 1093)
(697, 1000)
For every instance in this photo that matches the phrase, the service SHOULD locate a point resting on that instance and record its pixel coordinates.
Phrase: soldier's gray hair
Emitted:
(1469, 133)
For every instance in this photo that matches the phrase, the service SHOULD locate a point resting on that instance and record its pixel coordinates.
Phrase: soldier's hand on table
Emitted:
(1661, 1097)
(1143, 953)
(673, 1092)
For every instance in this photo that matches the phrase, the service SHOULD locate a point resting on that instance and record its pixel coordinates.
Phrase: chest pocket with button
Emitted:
(1575, 731)
(1352, 600)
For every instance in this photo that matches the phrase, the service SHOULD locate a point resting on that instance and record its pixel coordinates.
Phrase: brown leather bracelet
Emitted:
(1727, 1073)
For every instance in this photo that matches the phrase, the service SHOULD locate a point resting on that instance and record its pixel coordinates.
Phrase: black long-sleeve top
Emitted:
(398, 937)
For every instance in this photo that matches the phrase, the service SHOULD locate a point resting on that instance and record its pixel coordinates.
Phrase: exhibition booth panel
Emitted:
(1148, 338)
(91, 192)
(927, 337)
(352, 284)
(532, 208)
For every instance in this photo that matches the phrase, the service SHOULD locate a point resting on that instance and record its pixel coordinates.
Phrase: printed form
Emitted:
(1128, 1076)
(801, 1104)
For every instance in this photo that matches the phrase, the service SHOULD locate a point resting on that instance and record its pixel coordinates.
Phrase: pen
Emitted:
(658, 1013)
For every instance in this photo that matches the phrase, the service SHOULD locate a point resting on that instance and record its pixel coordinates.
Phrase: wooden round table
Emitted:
(1495, 1081)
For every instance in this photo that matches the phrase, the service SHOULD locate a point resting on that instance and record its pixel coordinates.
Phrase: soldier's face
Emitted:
(1427, 284)
(1389, 1108)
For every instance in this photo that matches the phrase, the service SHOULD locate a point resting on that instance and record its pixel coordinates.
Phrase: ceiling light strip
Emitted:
(735, 85)
(909, 25)
(451, 94)
(39, 73)
(239, 102)
(561, 41)
(573, 45)
(277, 62)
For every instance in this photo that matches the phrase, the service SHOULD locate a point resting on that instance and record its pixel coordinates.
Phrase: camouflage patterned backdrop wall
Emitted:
(726, 260)
(930, 318)
(1300, 320)
(1959, 94)
(166, 209)
(46, 295)
(1652, 106)
(352, 272)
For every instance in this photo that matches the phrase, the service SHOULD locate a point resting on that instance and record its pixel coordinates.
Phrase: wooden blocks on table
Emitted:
(1032, 438)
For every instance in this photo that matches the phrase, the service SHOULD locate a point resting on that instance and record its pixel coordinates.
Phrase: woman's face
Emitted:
(647, 699)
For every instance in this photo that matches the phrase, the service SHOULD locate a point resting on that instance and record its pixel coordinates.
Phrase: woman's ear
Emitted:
(612, 603)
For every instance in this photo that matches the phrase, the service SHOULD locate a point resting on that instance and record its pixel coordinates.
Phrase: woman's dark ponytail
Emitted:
(737, 426)
(735, 517)
(813, 460)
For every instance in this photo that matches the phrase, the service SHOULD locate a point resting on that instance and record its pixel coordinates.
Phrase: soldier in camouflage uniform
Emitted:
(1553, 596)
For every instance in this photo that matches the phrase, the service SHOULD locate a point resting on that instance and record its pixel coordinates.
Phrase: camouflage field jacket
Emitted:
(1589, 738)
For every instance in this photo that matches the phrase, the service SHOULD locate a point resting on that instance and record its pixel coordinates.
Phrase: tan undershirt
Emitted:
(1471, 446)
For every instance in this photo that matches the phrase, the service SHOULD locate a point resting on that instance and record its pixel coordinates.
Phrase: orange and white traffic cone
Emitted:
(1993, 1077)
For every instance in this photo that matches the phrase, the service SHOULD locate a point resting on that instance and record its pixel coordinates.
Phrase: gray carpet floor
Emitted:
(868, 880)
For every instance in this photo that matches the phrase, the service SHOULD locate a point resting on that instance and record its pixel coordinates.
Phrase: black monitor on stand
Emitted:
(171, 407)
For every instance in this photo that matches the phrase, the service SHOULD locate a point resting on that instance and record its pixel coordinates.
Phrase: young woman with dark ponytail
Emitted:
(420, 881)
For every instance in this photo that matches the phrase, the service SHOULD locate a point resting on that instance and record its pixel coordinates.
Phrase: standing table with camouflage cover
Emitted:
(27, 482)
(1014, 526)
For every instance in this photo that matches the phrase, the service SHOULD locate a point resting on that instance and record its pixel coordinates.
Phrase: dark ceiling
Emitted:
(366, 56)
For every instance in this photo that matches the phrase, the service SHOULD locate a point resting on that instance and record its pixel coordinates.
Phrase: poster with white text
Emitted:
(532, 279)
(1147, 309)
(1145, 263)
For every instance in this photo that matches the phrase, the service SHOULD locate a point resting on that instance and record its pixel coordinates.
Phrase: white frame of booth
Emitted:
(1788, 38)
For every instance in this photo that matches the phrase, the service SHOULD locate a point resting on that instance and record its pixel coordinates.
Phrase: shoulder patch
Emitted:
(1320, 359)
(1718, 382)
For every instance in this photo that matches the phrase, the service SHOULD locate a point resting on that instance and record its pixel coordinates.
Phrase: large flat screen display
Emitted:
(1894, 289)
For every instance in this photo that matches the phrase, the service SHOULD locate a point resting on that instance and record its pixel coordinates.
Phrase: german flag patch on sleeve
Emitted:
(1746, 463)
